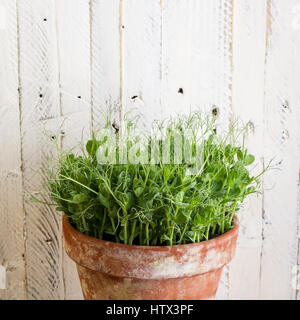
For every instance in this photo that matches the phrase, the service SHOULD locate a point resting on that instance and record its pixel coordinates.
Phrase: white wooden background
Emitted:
(74, 59)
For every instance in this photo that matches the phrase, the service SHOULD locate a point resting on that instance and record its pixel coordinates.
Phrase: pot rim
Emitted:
(149, 262)
(156, 248)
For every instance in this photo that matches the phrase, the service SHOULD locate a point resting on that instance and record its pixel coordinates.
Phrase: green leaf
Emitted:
(113, 212)
(136, 182)
(240, 154)
(234, 192)
(130, 200)
(138, 191)
(79, 198)
(249, 159)
(228, 149)
(179, 196)
(104, 201)
(191, 185)
(72, 208)
(198, 220)
(121, 177)
(166, 173)
(187, 180)
(92, 146)
(250, 190)
(181, 218)
(221, 175)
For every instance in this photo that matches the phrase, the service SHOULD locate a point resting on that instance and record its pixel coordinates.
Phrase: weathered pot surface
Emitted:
(114, 271)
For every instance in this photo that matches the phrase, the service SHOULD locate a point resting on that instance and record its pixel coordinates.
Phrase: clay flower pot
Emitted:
(113, 271)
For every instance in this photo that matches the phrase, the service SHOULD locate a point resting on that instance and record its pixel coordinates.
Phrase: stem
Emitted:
(208, 227)
(147, 175)
(169, 229)
(85, 226)
(114, 229)
(125, 232)
(141, 233)
(194, 238)
(207, 232)
(68, 178)
(154, 241)
(132, 232)
(223, 213)
(147, 234)
(233, 211)
(117, 200)
(185, 227)
(173, 227)
(102, 225)
(213, 229)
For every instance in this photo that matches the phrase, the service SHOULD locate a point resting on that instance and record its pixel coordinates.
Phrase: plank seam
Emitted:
(59, 115)
(121, 66)
(161, 58)
(91, 64)
(297, 291)
(268, 32)
(232, 114)
(58, 60)
(21, 150)
(231, 29)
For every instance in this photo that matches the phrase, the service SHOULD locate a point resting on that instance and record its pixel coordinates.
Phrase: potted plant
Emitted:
(153, 216)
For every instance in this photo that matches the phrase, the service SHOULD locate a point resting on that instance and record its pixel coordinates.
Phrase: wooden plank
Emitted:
(73, 27)
(105, 60)
(11, 200)
(73, 32)
(196, 55)
(40, 107)
(142, 60)
(281, 140)
(75, 129)
(196, 64)
(249, 46)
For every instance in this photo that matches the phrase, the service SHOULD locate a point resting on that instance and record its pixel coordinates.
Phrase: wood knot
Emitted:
(285, 134)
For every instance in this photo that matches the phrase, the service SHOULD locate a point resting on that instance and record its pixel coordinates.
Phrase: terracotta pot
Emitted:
(113, 271)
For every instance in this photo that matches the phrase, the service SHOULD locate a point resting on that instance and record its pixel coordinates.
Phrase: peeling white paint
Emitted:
(2, 278)
(77, 60)
(3, 17)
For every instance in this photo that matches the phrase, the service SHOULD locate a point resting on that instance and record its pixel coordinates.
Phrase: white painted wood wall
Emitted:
(74, 59)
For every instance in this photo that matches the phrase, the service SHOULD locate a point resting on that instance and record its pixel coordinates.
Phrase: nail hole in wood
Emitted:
(115, 126)
(41, 96)
(215, 111)
(79, 97)
(45, 19)
(180, 90)
(285, 134)
(285, 106)
(250, 126)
